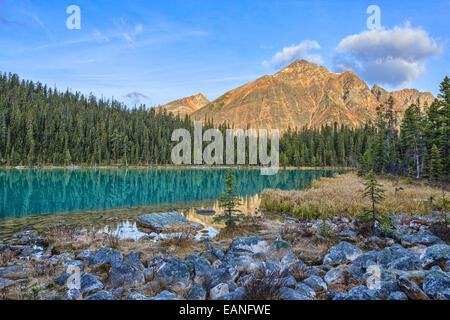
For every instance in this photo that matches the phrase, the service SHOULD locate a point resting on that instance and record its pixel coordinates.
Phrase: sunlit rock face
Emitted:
(303, 95)
(185, 106)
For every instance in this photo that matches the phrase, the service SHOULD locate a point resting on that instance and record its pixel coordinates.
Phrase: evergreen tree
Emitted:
(229, 200)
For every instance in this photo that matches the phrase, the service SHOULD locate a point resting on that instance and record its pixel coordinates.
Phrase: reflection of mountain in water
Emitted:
(28, 192)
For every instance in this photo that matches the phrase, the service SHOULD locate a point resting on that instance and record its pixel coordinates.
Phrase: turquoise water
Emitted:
(36, 192)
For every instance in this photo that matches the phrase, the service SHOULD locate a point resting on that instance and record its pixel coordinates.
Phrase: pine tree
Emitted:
(229, 200)
(373, 190)
(435, 167)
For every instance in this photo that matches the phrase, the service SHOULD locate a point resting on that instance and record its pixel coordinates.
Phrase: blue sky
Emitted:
(158, 51)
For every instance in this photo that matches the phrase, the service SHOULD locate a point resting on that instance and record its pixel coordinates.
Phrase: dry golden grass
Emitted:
(330, 196)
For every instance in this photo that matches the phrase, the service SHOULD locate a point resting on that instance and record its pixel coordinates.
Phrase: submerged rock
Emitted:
(163, 220)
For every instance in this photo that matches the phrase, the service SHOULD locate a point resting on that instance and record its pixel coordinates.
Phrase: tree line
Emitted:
(43, 126)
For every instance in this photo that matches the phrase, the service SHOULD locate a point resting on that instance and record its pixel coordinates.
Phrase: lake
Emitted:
(29, 195)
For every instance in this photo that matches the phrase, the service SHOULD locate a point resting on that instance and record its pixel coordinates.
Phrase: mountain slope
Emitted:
(302, 94)
(185, 106)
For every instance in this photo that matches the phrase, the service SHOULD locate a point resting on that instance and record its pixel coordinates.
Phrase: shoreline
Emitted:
(219, 167)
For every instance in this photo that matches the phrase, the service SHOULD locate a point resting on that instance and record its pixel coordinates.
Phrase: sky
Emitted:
(153, 52)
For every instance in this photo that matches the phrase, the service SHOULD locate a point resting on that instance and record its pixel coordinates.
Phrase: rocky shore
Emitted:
(288, 260)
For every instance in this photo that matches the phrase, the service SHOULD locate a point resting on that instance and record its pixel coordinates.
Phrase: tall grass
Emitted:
(342, 194)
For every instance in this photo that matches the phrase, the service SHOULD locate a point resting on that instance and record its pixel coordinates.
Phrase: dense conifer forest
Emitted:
(43, 126)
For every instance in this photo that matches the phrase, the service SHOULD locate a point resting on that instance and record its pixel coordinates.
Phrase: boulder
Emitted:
(73, 265)
(434, 255)
(406, 263)
(101, 295)
(289, 259)
(90, 283)
(11, 271)
(197, 292)
(104, 256)
(424, 237)
(435, 284)
(392, 253)
(124, 274)
(164, 220)
(200, 268)
(305, 290)
(175, 274)
(237, 294)
(337, 275)
(316, 283)
(291, 294)
(278, 246)
(224, 274)
(411, 289)
(295, 269)
(213, 254)
(165, 295)
(343, 253)
(397, 295)
(363, 293)
(219, 291)
(248, 244)
(73, 294)
(134, 260)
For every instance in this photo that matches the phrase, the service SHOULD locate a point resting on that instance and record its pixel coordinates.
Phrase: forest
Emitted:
(43, 126)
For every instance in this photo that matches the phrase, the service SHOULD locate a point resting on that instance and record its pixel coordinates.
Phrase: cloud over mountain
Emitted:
(294, 52)
(393, 57)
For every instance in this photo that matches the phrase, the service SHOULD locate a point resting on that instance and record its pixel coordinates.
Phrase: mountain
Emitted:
(185, 106)
(403, 98)
(302, 94)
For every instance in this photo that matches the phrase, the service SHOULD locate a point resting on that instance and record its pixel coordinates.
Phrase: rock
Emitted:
(436, 283)
(363, 293)
(197, 292)
(406, 263)
(291, 294)
(12, 271)
(224, 274)
(435, 255)
(305, 290)
(383, 287)
(90, 283)
(422, 237)
(213, 254)
(411, 289)
(73, 294)
(295, 269)
(343, 253)
(219, 291)
(397, 295)
(360, 265)
(237, 294)
(175, 274)
(62, 279)
(159, 261)
(165, 295)
(316, 283)
(137, 297)
(278, 246)
(5, 283)
(392, 253)
(83, 255)
(164, 220)
(73, 265)
(134, 260)
(289, 259)
(248, 245)
(101, 295)
(232, 285)
(347, 235)
(200, 267)
(447, 266)
(209, 234)
(337, 275)
(104, 256)
(124, 274)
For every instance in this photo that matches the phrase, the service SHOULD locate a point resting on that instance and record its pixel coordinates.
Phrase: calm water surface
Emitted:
(45, 197)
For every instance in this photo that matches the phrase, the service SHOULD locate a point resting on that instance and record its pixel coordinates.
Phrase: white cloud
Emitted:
(300, 51)
(100, 37)
(393, 57)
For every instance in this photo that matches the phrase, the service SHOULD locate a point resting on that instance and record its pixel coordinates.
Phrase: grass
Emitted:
(342, 194)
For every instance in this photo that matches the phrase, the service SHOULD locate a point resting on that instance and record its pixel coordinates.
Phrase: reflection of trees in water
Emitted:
(28, 192)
